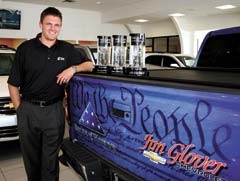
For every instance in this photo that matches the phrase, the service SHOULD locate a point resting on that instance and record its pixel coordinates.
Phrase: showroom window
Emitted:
(165, 44)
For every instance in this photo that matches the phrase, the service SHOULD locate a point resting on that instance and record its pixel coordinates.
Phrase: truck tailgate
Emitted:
(160, 127)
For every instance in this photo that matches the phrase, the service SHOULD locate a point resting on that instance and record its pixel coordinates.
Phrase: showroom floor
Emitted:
(12, 169)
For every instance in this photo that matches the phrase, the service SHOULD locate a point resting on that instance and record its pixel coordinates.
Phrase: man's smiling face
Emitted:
(51, 26)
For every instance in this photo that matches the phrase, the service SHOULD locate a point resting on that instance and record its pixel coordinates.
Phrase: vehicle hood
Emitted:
(4, 86)
(155, 67)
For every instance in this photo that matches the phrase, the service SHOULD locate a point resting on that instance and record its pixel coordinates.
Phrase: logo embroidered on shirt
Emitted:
(60, 59)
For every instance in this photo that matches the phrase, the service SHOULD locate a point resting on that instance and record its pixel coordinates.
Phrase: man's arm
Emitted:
(15, 95)
(84, 67)
(67, 74)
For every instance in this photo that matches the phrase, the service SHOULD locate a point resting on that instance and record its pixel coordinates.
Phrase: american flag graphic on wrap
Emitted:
(90, 121)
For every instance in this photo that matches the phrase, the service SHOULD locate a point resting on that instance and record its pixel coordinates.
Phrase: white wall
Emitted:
(77, 24)
(192, 30)
(163, 28)
(86, 25)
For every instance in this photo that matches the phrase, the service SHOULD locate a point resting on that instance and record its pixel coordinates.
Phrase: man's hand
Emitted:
(15, 95)
(65, 76)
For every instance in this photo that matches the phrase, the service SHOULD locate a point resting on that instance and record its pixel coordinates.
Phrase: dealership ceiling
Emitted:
(127, 11)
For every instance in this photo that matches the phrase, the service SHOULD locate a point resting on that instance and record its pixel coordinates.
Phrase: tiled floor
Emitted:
(12, 168)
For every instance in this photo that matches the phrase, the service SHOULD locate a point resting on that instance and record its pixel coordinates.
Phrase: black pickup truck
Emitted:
(174, 124)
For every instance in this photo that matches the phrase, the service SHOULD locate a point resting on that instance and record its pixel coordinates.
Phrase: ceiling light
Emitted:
(177, 14)
(225, 7)
(98, 2)
(141, 20)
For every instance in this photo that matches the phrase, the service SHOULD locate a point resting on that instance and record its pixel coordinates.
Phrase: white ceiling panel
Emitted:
(126, 11)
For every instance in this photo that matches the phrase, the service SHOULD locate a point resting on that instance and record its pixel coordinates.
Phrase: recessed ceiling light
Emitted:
(141, 20)
(226, 7)
(177, 14)
(98, 2)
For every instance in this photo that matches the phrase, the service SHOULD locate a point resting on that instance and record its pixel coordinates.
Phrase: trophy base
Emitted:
(132, 71)
(101, 69)
(137, 71)
(116, 70)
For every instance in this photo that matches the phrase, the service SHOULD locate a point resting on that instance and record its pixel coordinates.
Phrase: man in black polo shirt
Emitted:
(42, 67)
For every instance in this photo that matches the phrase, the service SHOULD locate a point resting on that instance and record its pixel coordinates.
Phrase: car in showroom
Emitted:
(8, 120)
(89, 52)
(168, 60)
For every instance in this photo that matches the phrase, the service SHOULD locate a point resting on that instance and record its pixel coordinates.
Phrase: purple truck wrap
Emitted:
(158, 132)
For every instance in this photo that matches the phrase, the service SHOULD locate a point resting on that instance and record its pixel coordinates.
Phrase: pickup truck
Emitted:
(8, 119)
(174, 124)
(220, 48)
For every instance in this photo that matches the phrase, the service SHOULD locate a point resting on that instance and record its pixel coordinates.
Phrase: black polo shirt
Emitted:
(36, 67)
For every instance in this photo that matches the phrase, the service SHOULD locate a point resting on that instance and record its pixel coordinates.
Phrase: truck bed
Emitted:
(211, 77)
(197, 78)
(174, 124)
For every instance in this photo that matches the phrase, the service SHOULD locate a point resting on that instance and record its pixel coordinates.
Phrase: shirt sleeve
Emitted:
(77, 56)
(15, 76)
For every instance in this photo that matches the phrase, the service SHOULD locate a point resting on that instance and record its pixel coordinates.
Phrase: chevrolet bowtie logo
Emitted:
(10, 105)
(154, 157)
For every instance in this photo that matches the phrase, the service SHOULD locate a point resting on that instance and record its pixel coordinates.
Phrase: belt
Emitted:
(42, 103)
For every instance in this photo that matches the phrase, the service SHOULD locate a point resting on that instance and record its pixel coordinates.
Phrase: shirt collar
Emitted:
(39, 43)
